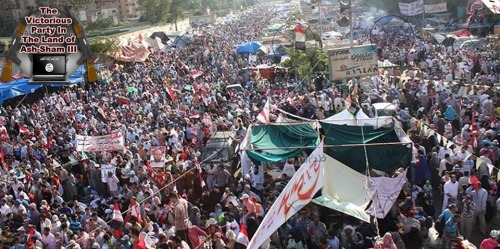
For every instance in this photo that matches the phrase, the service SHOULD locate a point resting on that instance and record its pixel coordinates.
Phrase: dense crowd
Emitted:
(55, 197)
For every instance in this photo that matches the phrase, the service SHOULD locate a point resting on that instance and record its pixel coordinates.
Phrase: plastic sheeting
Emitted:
(280, 142)
(22, 86)
(381, 157)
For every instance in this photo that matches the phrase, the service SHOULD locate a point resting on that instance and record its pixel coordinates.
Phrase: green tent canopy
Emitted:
(385, 158)
(280, 142)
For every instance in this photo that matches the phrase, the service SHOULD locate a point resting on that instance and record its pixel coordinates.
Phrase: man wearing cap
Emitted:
(491, 242)
(451, 230)
(250, 206)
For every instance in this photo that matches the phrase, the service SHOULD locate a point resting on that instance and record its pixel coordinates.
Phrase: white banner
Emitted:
(347, 63)
(298, 192)
(412, 9)
(435, 8)
(113, 142)
(494, 5)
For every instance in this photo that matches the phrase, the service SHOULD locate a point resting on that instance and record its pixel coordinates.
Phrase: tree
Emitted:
(155, 11)
(312, 60)
(103, 48)
(7, 28)
(176, 11)
(99, 24)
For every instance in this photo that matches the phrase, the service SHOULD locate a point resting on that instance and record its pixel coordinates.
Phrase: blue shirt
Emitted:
(451, 229)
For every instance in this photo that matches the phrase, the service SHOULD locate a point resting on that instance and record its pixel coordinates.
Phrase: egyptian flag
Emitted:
(265, 115)
(135, 211)
(117, 214)
(149, 168)
(202, 181)
(102, 113)
(31, 233)
(170, 92)
(300, 37)
(242, 237)
(5, 166)
(23, 130)
(195, 74)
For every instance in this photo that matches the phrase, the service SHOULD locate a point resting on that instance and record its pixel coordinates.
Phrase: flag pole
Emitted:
(350, 25)
(20, 102)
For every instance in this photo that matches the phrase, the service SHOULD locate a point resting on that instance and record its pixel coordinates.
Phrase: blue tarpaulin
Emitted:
(22, 86)
(249, 47)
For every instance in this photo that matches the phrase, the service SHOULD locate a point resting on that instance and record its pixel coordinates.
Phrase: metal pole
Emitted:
(320, 26)
(326, 146)
(350, 26)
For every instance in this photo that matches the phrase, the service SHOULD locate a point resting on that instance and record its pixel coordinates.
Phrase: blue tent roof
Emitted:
(22, 86)
(249, 47)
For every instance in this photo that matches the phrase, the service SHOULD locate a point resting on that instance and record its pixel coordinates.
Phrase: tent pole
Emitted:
(328, 146)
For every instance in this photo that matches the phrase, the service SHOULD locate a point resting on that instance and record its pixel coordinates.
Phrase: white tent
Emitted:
(361, 119)
(155, 43)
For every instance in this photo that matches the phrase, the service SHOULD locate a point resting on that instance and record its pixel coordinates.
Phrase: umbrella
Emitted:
(131, 89)
(249, 47)
(187, 88)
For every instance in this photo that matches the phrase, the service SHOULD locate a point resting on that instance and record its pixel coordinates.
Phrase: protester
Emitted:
(54, 195)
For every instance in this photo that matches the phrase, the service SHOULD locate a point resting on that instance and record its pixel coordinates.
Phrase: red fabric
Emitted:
(139, 244)
(135, 211)
(194, 234)
(474, 182)
(150, 169)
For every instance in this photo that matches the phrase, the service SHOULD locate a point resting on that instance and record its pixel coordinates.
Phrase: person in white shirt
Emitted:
(443, 165)
(257, 177)
(450, 190)
(4, 207)
(289, 168)
(443, 151)
(113, 182)
(48, 239)
(44, 222)
(231, 224)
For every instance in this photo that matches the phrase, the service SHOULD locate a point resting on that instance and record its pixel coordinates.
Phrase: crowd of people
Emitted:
(52, 196)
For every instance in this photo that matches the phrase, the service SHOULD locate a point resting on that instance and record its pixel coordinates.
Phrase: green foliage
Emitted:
(7, 27)
(103, 48)
(99, 24)
(304, 61)
(154, 11)
(176, 11)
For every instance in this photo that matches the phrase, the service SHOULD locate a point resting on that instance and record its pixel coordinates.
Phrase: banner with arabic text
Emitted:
(351, 62)
(298, 192)
(412, 9)
(435, 8)
(112, 142)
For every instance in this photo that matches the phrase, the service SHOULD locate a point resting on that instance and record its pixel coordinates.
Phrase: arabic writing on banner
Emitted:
(298, 192)
(112, 142)
(435, 8)
(350, 62)
(412, 9)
